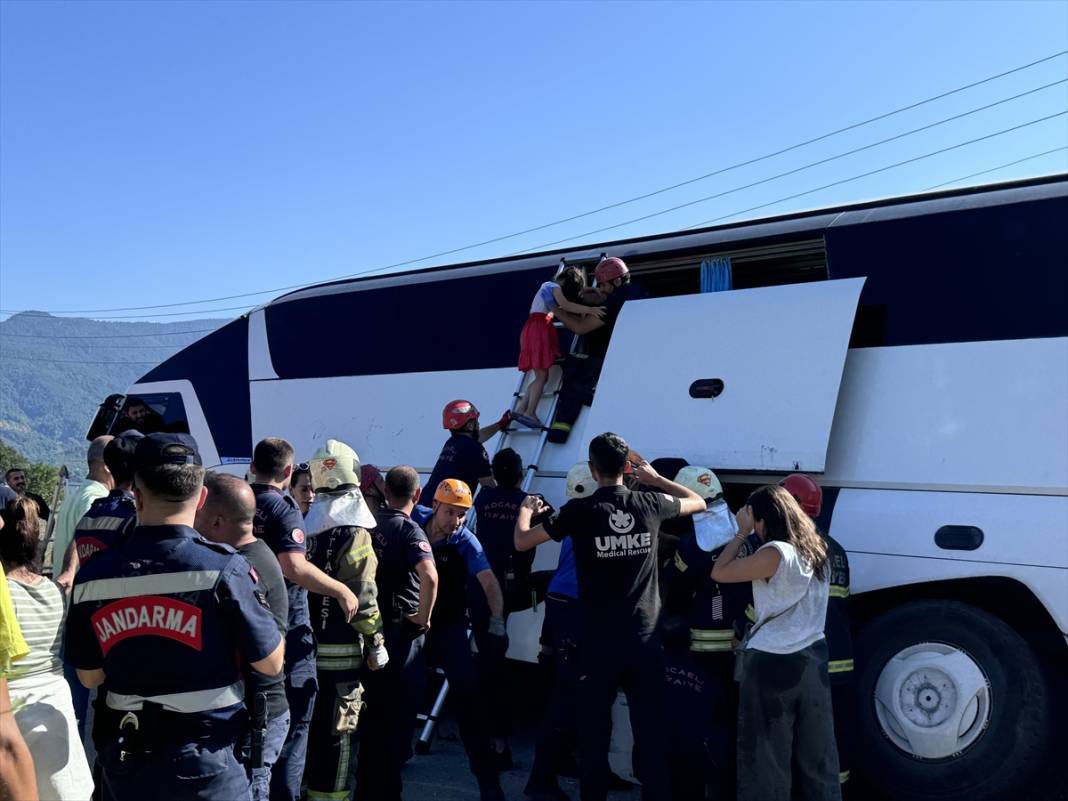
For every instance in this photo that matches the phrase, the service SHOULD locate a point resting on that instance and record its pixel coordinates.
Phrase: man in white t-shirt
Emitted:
(98, 484)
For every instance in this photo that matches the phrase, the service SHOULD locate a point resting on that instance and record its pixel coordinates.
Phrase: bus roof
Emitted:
(809, 222)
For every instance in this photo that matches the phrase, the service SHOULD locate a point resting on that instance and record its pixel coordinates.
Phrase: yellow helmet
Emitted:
(454, 492)
(334, 465)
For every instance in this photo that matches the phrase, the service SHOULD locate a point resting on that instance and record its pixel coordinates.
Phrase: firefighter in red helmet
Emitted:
(837, 631)
(463, 456)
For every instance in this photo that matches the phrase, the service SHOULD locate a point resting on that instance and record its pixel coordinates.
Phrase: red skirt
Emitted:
(539, 345)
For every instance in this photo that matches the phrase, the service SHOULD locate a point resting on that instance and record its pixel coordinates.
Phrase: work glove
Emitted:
(506, 418)
(498, 638)
(377, 656)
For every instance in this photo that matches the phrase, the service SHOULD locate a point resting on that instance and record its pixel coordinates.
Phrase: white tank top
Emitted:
(791, 606)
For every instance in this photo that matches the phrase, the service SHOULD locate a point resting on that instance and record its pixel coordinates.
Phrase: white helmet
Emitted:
(701, 480)
(333, 465)
(580, 481)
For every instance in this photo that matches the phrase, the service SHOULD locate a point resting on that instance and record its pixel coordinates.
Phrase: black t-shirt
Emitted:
(597, 341)
(462, 457)
(614, 534)
(496, 510)
(400, 545)
(271, 584)
(42, 505)
(278, 523)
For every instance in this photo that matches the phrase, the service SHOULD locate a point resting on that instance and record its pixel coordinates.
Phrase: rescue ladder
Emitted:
(551, 396)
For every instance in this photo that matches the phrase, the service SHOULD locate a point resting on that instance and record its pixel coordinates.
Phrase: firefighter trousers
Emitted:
(328, 769)
(718, 668)
(786, 728)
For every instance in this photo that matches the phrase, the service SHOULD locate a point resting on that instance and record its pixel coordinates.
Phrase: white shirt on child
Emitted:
(544, 301)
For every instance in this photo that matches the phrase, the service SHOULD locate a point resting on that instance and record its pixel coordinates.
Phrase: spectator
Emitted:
(45, 711)
(300, 488)
(98, 484)
(16, 479)
(140, 417)
(785, 722)
(17, 779)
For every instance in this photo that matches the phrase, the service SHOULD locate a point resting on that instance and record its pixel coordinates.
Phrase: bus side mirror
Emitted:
(105, 417)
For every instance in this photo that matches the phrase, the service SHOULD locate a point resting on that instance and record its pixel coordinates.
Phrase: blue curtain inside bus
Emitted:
(716, 275)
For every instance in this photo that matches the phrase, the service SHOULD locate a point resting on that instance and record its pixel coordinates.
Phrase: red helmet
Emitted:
(805, 491)
(457, 414)
(609, 269)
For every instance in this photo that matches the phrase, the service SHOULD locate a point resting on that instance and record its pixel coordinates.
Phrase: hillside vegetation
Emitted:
(55, 371)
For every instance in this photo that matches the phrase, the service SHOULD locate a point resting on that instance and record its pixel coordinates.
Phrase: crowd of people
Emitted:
(204, 636)
(337, 586)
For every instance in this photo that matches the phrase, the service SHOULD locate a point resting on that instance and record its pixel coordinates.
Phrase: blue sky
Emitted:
(155, 153)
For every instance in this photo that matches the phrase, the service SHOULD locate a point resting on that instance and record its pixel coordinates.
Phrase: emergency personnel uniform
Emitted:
(163, 618)
(840, 654)
(692, 703)
(343, 553)
(614, 534)
(108, 523)
(582, 369)
(459, 558)
(340, 546)
(393, 692)
(712, 613)
(560, 636)
(496, 510)
(462, 457)
(278, 522)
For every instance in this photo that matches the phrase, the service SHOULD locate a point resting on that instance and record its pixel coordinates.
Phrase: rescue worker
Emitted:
(339, 544)
(496, 509)
(463, 457)
(407, 580)
(459, 557)
(582, 369)
(280, 524)
(614, 533)
(110, 519)
(226, 517)
(108, 524)
(161, 619)
(710, 612)
(837, 628)
(560, 635)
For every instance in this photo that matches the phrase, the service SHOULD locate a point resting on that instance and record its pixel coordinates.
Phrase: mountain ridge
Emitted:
(57, 370)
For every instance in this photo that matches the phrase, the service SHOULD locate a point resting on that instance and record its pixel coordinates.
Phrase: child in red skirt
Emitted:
(539, 344)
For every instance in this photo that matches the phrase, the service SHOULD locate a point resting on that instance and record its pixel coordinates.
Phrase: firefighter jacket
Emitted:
(837, 630)
(344, 553)
(712, 610)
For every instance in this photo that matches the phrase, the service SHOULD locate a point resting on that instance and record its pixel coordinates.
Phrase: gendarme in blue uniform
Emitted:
(107, 523)
(279, 523)
(169, 617)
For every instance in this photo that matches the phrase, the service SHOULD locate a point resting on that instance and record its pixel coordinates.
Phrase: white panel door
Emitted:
(775, 354)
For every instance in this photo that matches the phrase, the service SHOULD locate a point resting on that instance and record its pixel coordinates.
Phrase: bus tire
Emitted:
(917, 657)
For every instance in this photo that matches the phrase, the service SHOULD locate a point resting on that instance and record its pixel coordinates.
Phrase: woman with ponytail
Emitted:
(786, 743)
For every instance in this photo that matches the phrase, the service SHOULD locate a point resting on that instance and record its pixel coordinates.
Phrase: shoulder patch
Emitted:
(298, 536)
(424, 546)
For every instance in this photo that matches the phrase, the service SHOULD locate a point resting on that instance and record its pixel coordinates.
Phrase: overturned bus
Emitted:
(911, 352)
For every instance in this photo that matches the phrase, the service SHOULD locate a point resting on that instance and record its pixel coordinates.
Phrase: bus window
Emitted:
(153, 413)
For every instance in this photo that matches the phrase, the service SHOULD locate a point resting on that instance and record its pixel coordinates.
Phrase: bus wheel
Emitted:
(952, 704)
